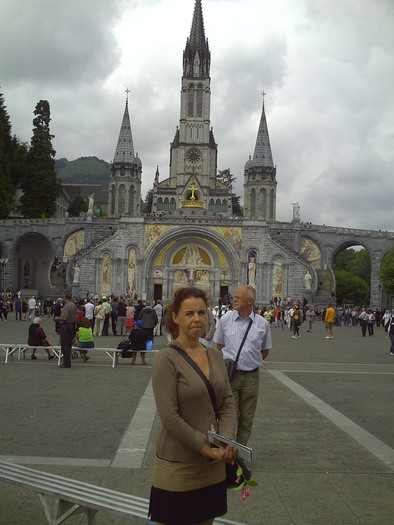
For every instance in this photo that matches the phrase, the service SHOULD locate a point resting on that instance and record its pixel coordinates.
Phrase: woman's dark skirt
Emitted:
(187, 493)
(188, 507)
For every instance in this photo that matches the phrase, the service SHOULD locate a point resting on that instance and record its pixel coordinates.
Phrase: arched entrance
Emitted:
(32, 262)
(193, 259)
(351, 264)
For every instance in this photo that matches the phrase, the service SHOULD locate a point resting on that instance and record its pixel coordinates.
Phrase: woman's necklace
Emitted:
(195, 356)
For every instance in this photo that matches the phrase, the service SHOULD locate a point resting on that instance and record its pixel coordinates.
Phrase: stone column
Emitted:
(376, 258)
(76, 290)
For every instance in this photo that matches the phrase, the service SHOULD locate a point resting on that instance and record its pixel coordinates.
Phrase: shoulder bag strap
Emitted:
(201, 374)
(243, 341)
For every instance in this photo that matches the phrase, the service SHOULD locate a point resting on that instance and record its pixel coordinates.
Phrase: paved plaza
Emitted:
(323, 439)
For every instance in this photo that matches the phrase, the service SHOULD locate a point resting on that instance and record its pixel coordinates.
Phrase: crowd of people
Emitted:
(189, 476)
(119, 314)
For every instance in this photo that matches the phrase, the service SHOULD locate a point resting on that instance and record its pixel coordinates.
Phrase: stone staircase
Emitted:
(325, 287)
(325, 283)
(58, 279)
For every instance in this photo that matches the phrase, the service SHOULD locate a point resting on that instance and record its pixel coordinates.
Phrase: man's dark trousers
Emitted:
(113, 321)
(106, 324)
(66, 340)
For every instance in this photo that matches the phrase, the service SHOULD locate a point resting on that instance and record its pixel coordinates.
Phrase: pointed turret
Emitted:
(157, 175)
(262, 152)
(125, 149)
(125, 173)
(196, 56)
(260, 177)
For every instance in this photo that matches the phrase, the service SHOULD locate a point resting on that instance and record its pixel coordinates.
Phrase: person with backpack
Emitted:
(370, 321)
(99, 317)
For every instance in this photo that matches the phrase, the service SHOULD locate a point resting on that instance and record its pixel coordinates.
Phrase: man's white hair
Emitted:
(251, 293)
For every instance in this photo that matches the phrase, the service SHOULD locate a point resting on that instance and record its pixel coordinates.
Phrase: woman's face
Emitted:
(192, 317)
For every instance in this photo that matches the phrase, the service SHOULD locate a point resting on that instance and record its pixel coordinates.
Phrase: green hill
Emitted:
(85, 170)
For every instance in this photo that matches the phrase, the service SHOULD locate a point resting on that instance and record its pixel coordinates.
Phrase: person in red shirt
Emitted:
(37, 337)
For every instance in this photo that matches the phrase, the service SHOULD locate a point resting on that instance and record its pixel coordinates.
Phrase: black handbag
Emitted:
(124, 344)
(231, 470)
(231, 366)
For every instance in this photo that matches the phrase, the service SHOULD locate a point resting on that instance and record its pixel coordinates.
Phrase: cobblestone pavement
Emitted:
(323, 440)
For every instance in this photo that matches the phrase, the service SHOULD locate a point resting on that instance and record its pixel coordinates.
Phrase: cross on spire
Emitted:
(127, 94)
(263, 95)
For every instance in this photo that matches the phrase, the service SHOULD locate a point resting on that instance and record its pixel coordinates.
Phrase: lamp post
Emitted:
(3, 264)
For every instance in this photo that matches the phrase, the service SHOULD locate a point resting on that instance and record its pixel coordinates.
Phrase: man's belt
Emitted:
(246, 371)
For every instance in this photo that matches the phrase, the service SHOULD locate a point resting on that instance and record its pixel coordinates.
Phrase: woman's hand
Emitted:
(227, 454)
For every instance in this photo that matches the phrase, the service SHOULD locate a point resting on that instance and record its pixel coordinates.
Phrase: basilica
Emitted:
(191, 236)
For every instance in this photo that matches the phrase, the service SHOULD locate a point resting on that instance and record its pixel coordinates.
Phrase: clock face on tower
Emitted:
(193, 155)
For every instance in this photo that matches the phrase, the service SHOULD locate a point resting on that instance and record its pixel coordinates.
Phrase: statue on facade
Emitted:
(252, 271)
(77, 271)
(307, 281)
(296, 211)
(91, 203)
(192, 257)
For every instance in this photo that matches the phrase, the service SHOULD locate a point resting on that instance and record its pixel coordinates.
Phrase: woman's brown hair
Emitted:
(85, 323)
(180, 295)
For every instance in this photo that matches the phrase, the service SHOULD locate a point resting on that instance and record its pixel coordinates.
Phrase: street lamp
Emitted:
(3, 264)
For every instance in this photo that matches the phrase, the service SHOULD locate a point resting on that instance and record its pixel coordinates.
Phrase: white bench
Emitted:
(113, 353)
(76, 497)
(11, 348)
(21, 349)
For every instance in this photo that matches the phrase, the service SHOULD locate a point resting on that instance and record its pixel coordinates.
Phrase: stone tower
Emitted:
(193, 179)
(125, 173)
(260, 177)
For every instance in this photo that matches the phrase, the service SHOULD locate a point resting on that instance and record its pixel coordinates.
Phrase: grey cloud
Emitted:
(57, 43)
(327, 72)
(240, 71)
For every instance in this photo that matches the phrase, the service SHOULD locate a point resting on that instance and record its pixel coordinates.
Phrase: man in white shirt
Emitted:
(32, 308)
(229, 334)
(158, 308)
(89, 312)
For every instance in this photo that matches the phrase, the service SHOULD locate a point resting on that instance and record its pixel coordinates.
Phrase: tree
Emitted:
(147, 204)
(386, 272)
(19, 160)
(237, 208)
(357, 263)
(350, 288)
(343, 259)
(77, 205)
(361, 265)
(40, 185)
(6, 186)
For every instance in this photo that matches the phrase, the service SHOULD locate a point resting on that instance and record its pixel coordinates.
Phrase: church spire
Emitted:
(262, 152)
(124, 193)
(260, 176)
(196, 56)
(124, 148)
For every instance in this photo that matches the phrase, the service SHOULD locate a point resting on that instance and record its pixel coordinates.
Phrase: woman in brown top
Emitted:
(189, 484)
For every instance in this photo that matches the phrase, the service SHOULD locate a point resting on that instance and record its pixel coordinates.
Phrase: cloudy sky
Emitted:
(327, 67)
